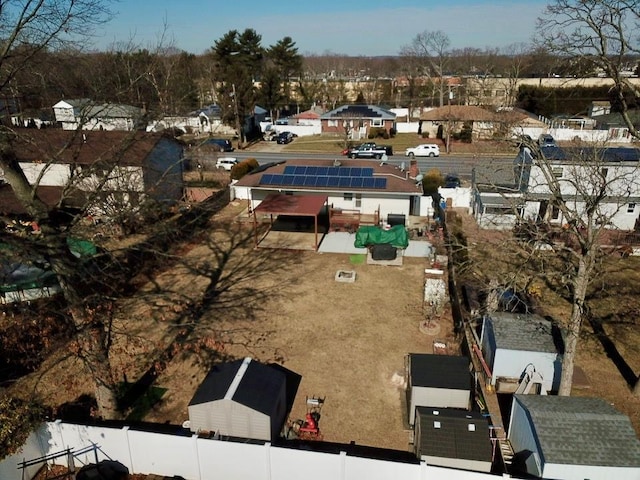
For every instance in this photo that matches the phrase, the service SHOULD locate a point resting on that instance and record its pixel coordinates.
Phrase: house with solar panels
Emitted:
(357, 120)
(504, 195)
(360, 186)
(572, 438)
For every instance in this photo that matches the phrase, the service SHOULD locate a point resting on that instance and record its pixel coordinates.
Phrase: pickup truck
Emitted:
(370, 150)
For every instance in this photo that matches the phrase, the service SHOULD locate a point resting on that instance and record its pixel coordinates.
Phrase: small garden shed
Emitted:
(453, 438)
(513, 344)
(441, 381)
(243, 399)
(571, 438)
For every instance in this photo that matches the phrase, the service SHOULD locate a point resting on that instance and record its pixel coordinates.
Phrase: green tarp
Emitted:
(372, 235)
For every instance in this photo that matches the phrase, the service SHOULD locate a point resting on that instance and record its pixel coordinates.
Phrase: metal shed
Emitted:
(515, 344)
(243, 399)
(441, 381)
(453, 438)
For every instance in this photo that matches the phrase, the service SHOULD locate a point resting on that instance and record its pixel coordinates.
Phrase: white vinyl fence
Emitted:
(205, 459)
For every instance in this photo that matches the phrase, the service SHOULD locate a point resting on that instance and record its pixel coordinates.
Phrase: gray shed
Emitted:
(242, 399)
(569, 438)
(513, 344)
(442, 381)
(453, 438)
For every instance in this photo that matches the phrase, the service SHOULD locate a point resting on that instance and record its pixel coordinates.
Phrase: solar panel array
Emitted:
(332, 177)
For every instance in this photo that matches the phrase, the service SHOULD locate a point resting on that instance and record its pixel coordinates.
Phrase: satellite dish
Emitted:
(403, 166)
(419, 178)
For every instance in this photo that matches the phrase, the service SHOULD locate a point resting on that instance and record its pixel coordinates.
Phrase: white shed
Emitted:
(513, 344)
(453, 438)
(572, 438)
(441, 381)
(243, 399)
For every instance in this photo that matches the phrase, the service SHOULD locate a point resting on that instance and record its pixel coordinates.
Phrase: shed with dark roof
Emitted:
(243, 399)
(440, 381)
(453, 438)
(513, 344)
(572, 438)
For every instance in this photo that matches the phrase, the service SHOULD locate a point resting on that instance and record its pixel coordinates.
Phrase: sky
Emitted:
(350, 27)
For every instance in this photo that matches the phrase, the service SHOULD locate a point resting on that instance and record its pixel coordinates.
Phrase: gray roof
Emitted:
(440, 371)
(581, 431)
(454, 438)
(359, 111)
(528, 332)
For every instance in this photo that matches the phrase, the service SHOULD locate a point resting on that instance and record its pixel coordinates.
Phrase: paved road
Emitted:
(462, 165)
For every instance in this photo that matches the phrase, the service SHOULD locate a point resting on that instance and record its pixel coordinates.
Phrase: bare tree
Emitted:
(430, 48)
(566, 211)
(600, 32)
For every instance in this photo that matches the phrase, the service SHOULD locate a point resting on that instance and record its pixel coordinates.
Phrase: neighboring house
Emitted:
(88, 115)
(615, 124)
(484, 123)
(137, 167)
(242, 399)
(361, 186)
(356, 121)
(572, 438)
(453, 438)
(505, 195)
(515, 346)
(207, 120)
(440, 381)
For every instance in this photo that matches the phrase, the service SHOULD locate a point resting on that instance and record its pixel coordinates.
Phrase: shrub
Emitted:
(239, 170)
(425, 134)
(431, 181)
(385, 135)
(392, 132)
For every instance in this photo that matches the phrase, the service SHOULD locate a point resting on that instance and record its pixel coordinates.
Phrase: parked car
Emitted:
(223, 143)
(452, 180)
(424, 150)
(226, 163)
(284, 138)
(546, 140)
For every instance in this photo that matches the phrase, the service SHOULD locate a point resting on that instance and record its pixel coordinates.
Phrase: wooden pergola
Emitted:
(289, 205)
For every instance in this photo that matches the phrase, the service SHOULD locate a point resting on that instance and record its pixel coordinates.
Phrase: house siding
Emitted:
(522, 438)
(437, 397)
(229, 418)
(163, 171)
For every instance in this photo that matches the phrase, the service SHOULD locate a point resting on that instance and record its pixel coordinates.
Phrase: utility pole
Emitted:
(235, 111)
(449, 121)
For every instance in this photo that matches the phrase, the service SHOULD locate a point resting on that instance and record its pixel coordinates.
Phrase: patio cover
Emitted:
(292, 205)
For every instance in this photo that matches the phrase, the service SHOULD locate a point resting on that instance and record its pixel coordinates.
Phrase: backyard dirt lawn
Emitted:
(348, 341)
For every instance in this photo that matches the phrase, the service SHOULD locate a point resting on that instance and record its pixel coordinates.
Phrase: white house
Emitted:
(131, 168)
(572, 438)
(530, 188)
(88, 115)
(516, 344)
(362, 186)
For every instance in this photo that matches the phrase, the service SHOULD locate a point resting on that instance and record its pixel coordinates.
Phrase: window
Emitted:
(377, 122)
(495, 210)
(332, 123)
(358, 200)
(631, 208)
(348, 197)
(604, 172)
(557, 172)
